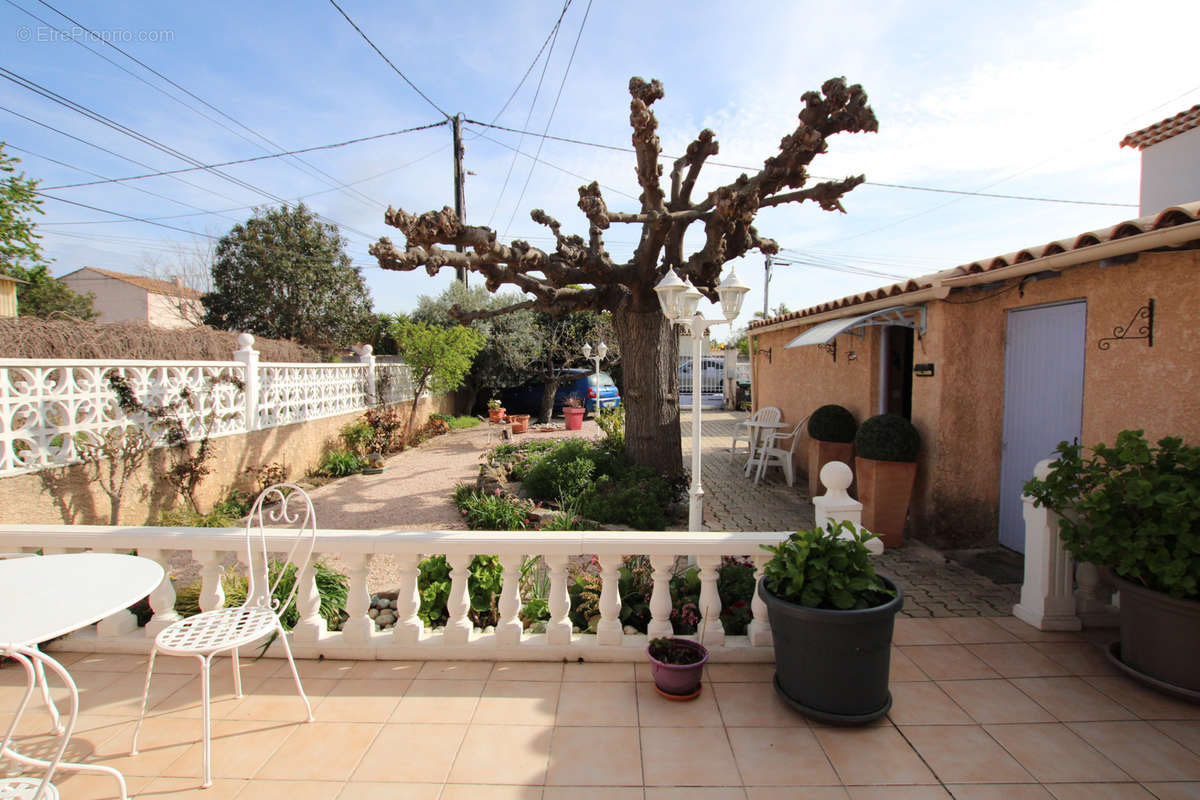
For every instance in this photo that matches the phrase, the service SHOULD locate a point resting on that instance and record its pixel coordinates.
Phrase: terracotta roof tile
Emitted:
(1161, 131)
(151, 285)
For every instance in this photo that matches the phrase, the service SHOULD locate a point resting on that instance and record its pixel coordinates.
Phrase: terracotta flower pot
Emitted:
(885, 489)
(821, 453)
(573, 417)
(520, 422)
(495, 414)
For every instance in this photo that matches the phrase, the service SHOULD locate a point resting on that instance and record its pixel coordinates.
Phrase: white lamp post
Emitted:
(679, 301)
(601, 352)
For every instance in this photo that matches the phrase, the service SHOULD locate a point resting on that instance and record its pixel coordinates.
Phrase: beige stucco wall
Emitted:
(115, 300)
(959, 411)
(8, 298)
(164, 312)
(66, 495)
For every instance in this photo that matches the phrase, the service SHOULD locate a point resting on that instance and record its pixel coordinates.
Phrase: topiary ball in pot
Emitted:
(885, 455)
(887, 437)
(832, 423)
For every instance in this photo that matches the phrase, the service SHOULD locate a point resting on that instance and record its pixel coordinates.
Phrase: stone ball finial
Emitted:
(367, 350)
(1042, 470)
(245, 341)
(836, 477)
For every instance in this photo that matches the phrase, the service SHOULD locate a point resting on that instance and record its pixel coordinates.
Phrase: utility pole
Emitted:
(460, 198)
(766, 284)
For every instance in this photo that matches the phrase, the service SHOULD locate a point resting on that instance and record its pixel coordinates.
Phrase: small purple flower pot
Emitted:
(679, 681)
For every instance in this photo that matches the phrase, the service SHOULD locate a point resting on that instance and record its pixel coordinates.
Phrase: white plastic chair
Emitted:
(224, 630)
(772, 455)
(35, 664)
(746, 433)
(55, 722)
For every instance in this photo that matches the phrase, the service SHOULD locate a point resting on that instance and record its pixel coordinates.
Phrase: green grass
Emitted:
(456, 423)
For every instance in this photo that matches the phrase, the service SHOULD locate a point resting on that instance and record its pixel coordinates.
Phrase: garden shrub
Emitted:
(226, 513)
(340, 463)
(456, 423)
(483, 590)
(386, 424)
(358, 437)
(566, 470)
(492, 511)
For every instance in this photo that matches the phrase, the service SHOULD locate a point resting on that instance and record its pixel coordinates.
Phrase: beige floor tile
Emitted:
(466, 791)
(755, 704)
(1175, 791)
(953, 662)
(411, 752)
(781, 757)
(382, 670)
(159, 744)
(902, 668)
(597, 671)
(740, 673)
(788, 793)
(185, 701)
(1145, 703)
(892, 760)
(81, 786)
(919, 631)
(599, 756)
(239, 749)
(354, 700)
(1052, 752)
(320, 751)
(439, 701)
(642, 672)
(277, 699)
(923, 703)
(690, 756)
(995, 701)
(964, 754)
(329, 668)
(1072, 699)
(1141, 750)
(698, 793)
(1017, 660)
(1079, 658)
(527, 671)
(1004, 791)
(1100, 791)
(190, 788)
(592, 792)
(455, 670)
(974, 630)
(656, 711)
(123, 697)
(517, 703)
(511, 754)
(110, 662)
(897, 793)
(1027, 633)
(291, 790)
(598, 704)
(391, 791)
(1187, 733)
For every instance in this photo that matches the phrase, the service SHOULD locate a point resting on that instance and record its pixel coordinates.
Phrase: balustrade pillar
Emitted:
(836, 504)
(608, 631)
(1093, 597)
(710, 629)
(660, 597)
(1048, 591)
(367, 358)
(408, 627)
(162, 599)
(458, 626)
(123, 621)
(359, 627)
(508, 628)
(311, 625)
(759, 630)
(558, 629)
(212, 593)
(250, 385)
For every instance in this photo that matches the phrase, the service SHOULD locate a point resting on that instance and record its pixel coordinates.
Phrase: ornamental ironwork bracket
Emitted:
(1144, 331)
(829, 347)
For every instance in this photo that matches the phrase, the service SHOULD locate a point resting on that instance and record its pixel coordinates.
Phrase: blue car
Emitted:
(527, 399)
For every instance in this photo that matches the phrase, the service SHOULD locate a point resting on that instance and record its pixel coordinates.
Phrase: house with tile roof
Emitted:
(998, 360)
(1170, 160)
(121, 296)
(8, 295)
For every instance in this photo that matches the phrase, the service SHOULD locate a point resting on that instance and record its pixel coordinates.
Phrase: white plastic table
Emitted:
(48, 596)
(757, 428)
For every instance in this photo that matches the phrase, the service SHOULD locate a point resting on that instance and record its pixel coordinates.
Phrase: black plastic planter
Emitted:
(1160, 640)
(833, 665)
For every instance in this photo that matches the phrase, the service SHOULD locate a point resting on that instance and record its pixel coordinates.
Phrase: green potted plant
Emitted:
(831, 430)
(1134, 508)
(677, 666)
(495, 410)
(885, 466)
(831, 621)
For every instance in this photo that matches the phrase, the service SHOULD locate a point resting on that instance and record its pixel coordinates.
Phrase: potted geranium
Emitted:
(885, 466)
(573, 412)
(495, 410)
(1135, 509)
(831, 430)
(831, 621)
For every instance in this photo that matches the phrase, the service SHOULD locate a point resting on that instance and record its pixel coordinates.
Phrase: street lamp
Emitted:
(679, 301)
(601, 352)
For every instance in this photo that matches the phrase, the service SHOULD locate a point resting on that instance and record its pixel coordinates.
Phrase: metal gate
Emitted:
(712, 375)
(1043, 399)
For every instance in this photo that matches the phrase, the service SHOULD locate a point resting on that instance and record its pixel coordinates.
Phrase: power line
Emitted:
(564, 170)
(126, 216)
(395, 69)
(553, 34)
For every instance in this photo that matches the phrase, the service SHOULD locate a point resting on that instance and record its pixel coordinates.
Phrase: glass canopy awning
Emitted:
(825, 332)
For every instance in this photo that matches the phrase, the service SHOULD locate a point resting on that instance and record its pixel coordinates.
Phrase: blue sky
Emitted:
(1016, 98)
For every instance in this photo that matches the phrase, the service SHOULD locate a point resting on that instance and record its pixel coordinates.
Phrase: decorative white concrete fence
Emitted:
(458, 639)
(47, 405)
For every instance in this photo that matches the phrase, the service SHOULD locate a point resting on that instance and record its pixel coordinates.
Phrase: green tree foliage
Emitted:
(21, 253)
(285, 274)
(560, 342)
(439, 358)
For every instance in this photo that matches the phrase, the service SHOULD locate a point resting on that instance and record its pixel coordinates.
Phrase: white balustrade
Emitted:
(713, 631)
(162, 599)
(558, 629)
(458, 627)
(212, 591)
(358, 627)
(660, 596)
(508, 627)
(759, 631)
(408, 627)
(1048, 592)
(608, 632)
(311, 625)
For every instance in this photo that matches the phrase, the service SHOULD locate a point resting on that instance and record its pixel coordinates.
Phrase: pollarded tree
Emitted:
(627, 289)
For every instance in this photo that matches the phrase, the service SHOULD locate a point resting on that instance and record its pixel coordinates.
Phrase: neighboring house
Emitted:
(1170, 160)
(997, 361)
(8, 295)
(121, 296)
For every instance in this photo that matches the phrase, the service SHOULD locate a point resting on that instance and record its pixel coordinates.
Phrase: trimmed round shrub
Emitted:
(887, 437)
(832, 423)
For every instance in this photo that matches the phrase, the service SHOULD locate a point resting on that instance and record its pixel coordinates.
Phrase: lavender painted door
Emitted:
(1043, 399)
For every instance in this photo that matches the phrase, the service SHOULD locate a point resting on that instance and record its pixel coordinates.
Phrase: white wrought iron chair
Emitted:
(35, 664)
(51, 709)
(772, 455)
(224, 630)
(746, 433)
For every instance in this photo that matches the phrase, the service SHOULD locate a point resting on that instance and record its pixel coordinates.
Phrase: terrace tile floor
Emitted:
(983, 708)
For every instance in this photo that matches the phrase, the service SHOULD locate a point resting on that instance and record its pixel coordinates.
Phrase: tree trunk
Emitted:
(549, 389)
(650, 350)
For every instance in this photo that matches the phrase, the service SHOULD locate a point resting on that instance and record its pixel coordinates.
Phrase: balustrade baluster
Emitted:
(162, 599)
(558, 629)
(458, 626)
(120, 623)
(408, 627)
(508, 629)
(760, 627)
(311, 625)
(358, 627)
(608, 632)
(660, 597)
(710, 626)
(212, 593)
